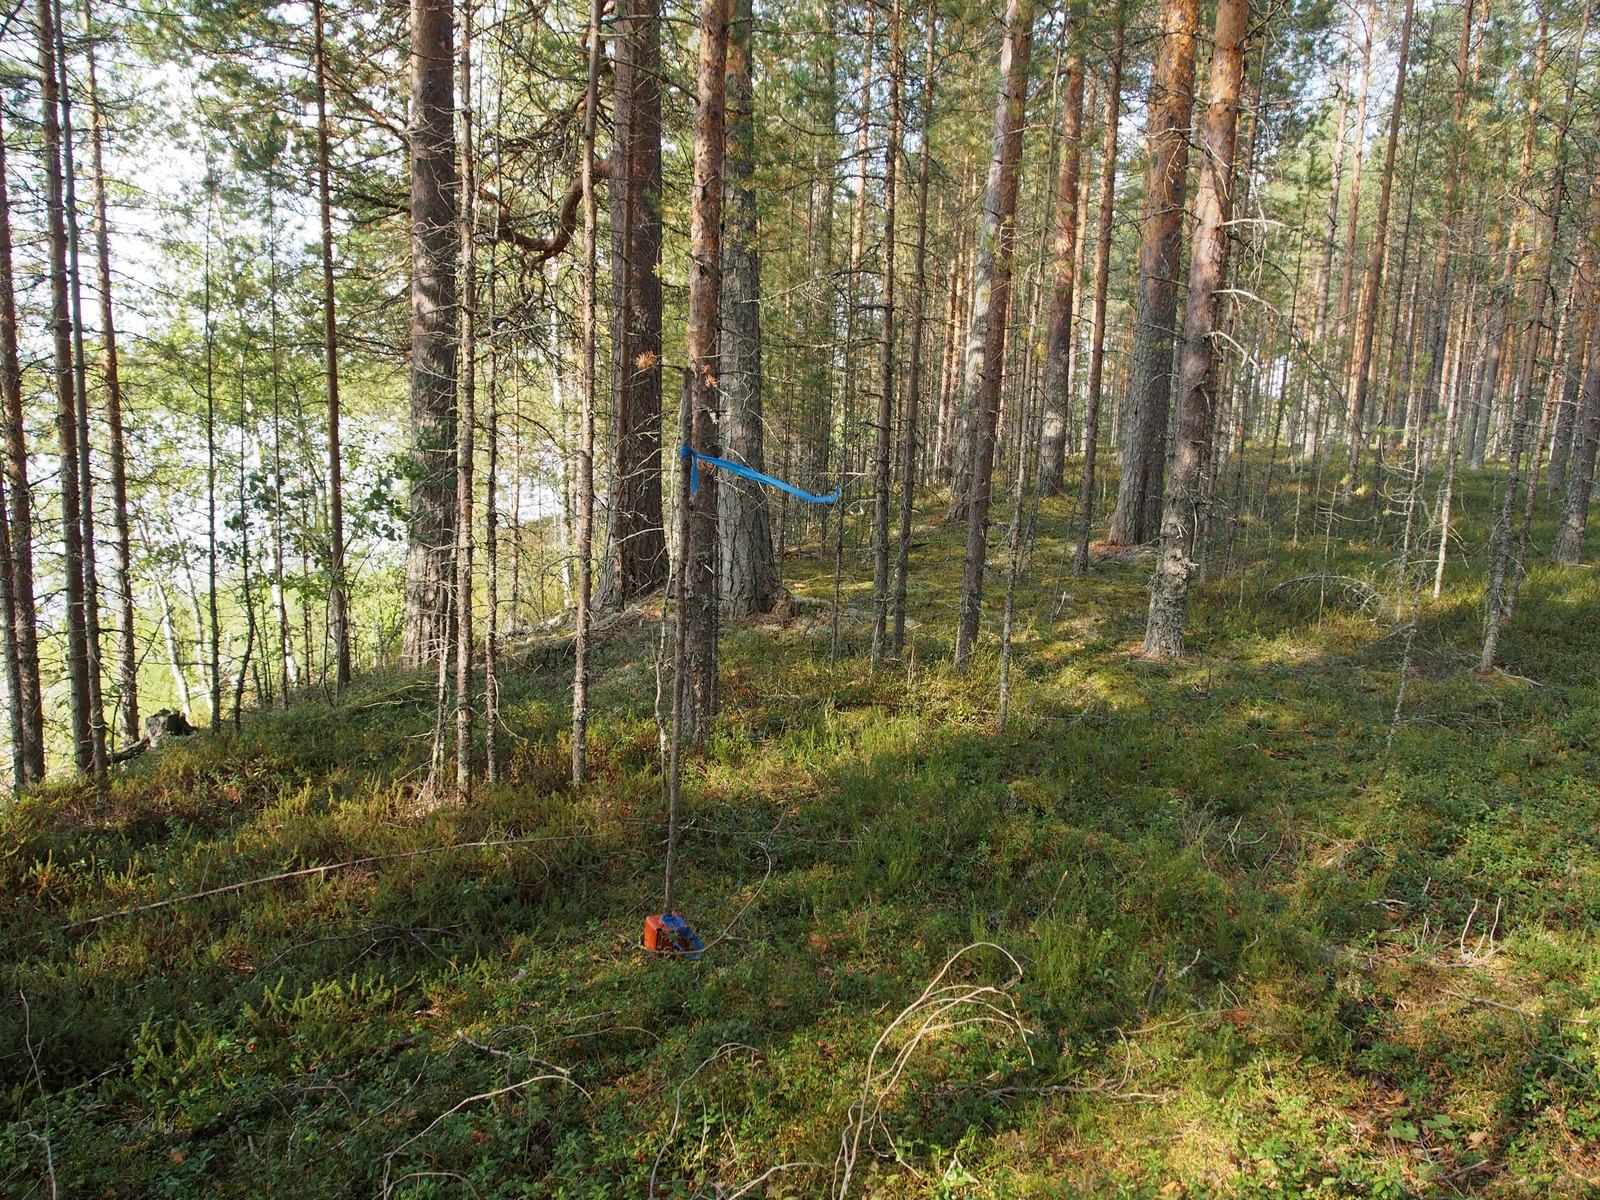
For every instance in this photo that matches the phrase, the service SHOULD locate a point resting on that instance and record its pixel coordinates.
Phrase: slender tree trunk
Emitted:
(1545, 291)
(855, 300)
(211, 474)
(1138, 512)
(637, 562)
(434, 250)
(1570, 387)
(1358, 136)
(1064, 279)
(127, 638)
(466, 426)
(680, 644)
(27, 696)
(491, 519)
(705, 289)
(338, 606)
(1372, 289)
(1500, 596)
(66, 407)
(1331, 228)
(999, 246)
(749, 572)
(1455, 213)
(1568, 548)
(246, 592)
(1102, 277)
(288, 677)
(919, 298)
(883, 475)
(1208, 264)
(969, 366)
(80, 377)
(591, 227)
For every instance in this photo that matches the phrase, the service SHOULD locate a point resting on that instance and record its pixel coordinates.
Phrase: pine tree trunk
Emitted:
(1197, 372)
(883, 475)
(705, 288)
(1455, 213)
(1545, 292)
(338, 607)
(27, 697)
(967, 416)
(1568, 548)
(1138, 513)
(1500, 595)
(127, 638)
(749, 572)
(288, 676)
(1372, 289)
(919, 299)
(1058, 344)
(434, 249)
(590, 282)
(1102, 277)
(66, 406)
(998, 248)
(209, 334)
(80, 378)
(466, 427)
(637, 541)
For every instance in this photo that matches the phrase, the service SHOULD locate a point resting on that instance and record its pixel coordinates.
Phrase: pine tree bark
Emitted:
(638, 554)
(705, 298)
(1102, 278)
(590, 282)
(967, 413)
(122, 583)
(1568, 548)
(999, 248)
(1137, 515)
(80, 385)
(338, 605)
(1347, 278)
(26, 694)
(1544, 294)
(749, 571)
(467, 323)
(1064, 280)
(883, 449)
(1500, 595)
(919, 300)
(66, 405)
(434, 248)
(1455, 212)
(1372, 289)
(1197, 372)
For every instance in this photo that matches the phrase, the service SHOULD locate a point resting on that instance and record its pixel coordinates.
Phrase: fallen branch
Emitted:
(322, 870)
(1359, 590)
(722, 1051)
(561, 1075)
(941, 1007)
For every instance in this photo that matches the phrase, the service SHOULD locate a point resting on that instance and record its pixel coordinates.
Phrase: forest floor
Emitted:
(1226, 937)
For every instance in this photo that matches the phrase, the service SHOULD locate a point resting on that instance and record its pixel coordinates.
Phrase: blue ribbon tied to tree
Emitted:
(744, 472)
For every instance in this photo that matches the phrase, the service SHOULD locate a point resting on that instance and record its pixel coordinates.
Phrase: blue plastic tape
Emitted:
(745, 472)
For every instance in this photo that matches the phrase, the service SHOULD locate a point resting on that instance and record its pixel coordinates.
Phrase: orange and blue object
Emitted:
(668, 933)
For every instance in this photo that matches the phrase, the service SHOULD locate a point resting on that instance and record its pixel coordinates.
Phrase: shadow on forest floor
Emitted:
(1274, 942)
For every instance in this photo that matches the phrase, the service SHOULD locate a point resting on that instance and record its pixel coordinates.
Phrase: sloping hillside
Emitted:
(1220, 928)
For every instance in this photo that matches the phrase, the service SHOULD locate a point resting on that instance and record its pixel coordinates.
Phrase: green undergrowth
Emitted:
(1234, 930)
